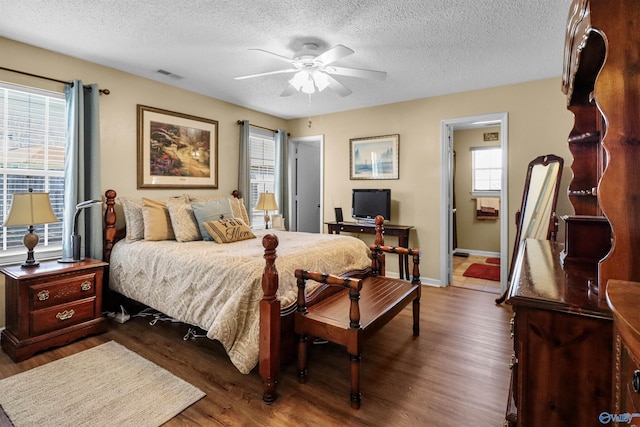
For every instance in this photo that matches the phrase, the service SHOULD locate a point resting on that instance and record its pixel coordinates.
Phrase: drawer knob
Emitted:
(85, 286)
(43, 295)
(65, 315)
(635, 381)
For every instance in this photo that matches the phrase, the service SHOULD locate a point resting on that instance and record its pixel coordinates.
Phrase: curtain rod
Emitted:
(261, 127)
(102, 91)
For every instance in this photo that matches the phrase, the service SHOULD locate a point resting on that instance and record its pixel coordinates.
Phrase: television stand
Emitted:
(399, 231)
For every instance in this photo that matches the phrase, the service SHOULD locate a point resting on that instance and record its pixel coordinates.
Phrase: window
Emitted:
(32, 145)
(262, 169)
(487, 169)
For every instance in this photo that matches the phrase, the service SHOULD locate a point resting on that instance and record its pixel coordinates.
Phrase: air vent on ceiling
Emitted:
(170, 74)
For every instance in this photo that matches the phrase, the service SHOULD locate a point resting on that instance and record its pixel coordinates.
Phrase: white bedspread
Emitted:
(217, 287)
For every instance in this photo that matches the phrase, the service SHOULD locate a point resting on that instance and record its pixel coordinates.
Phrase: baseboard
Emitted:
(478, 253)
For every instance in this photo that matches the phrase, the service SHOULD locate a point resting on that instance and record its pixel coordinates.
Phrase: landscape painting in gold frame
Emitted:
(176, 150)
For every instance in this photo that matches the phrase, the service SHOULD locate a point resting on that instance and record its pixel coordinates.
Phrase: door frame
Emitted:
(446, 193)
(291, 165)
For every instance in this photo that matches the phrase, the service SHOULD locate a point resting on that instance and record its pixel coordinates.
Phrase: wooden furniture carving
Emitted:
(623, 298)
(536, 218)
(399, 231)
(51, 305)
(601, 81)
(350, 316)
(561, 365)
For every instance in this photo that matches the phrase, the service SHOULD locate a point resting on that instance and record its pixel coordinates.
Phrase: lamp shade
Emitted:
(267, 202)
(30, 209)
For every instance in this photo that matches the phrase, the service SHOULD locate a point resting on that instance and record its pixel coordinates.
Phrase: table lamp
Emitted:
(30, 209)
(266, 203)
(76, 239)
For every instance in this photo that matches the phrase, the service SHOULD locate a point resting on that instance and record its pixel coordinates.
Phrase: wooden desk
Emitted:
(399, 231)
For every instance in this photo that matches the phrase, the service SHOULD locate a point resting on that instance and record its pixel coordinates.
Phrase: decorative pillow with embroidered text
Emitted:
(229, 230)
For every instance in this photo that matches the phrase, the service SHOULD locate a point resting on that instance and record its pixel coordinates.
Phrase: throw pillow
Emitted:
(183, 221)
(228, 230)
(133, 219)
(239, 210)
(157, 222)
(211, 211)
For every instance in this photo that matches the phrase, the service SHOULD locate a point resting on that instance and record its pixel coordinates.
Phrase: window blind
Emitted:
(262, 167)
(32, 151)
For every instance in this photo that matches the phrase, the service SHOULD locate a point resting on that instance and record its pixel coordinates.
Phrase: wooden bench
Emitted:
(351, 315)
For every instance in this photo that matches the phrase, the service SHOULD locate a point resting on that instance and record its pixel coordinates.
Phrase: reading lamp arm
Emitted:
(79, 207)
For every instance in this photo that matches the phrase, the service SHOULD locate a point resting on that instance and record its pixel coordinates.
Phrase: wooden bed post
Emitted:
(380, 242)
(109, 224)
(269, 361)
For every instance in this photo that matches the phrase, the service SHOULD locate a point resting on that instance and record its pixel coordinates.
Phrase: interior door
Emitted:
(307, 185)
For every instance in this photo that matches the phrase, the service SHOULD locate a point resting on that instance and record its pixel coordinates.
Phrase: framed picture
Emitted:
(374, 157)
(176, 150)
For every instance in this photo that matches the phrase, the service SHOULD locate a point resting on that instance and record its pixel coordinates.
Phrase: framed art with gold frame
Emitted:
(176, 150)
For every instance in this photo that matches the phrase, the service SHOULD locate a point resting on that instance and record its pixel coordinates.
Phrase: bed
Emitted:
(231, 290)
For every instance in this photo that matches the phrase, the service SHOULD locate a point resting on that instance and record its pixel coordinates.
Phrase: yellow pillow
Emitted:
(228, 230)
(157, 222)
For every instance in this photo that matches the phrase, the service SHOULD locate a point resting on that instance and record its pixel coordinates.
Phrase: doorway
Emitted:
(306, 195)
(447, 222)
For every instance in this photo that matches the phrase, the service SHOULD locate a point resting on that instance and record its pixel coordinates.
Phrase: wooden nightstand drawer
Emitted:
(67, 288)
(62, 316)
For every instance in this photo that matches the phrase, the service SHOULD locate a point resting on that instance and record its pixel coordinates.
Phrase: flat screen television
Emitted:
(367, 203)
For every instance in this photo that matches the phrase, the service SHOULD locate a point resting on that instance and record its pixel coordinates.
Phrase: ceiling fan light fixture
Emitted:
(302, 81)
(321, 80)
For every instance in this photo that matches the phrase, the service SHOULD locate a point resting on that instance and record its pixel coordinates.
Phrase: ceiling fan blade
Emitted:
(334, 54)
(290, 90)
(280, 57)
(338, 87)
(356, 72)
(269, 73)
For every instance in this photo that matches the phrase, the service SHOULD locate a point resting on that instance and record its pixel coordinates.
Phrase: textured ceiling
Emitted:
(427, 47)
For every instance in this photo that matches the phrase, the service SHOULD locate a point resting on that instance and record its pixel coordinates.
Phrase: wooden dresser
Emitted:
(51, 305)
(562, 332)
(624, 299)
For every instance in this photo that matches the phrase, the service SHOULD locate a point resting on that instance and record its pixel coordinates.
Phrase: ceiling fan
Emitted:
(313, 70)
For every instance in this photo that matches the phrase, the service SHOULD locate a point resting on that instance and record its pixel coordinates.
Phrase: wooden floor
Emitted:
(460, 264)
(455, 373)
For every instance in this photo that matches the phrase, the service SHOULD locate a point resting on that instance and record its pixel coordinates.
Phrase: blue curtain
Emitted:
(282, 184)
(244, 178)
(82, 169)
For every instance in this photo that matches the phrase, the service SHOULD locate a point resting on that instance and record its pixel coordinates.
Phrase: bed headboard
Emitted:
(114, 224)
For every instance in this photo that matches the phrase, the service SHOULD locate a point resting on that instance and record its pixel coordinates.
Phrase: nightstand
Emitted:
(51, 305)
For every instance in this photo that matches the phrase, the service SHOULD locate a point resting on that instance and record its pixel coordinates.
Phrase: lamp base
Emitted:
(75, 250)
(28, 264)
(30, 241)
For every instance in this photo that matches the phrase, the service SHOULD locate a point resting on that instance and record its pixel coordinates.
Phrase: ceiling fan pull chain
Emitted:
(309, 105)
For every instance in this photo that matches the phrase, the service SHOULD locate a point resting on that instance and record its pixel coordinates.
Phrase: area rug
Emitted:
(483, 271)
(108, 385)
(492, 260)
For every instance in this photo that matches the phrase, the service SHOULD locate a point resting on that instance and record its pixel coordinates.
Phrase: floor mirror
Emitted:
(537, 218)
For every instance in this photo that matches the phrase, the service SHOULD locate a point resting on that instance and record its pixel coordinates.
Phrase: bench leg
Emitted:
(355, 381)
(416, 317)
(302, 358)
